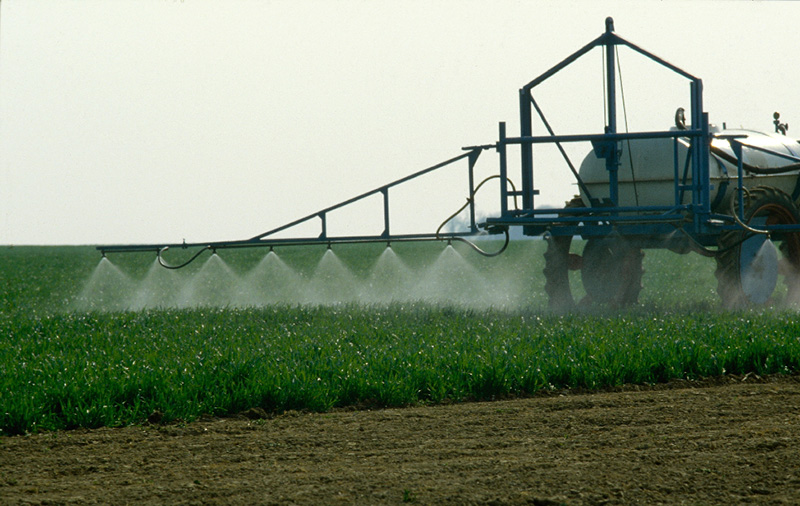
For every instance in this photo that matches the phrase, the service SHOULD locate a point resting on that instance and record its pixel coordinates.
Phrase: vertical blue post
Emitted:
(501, 149)
(473, 157)
(526, 130)
(385, 192)
(693, 119)
(323, 217)
(612, 162)
(676, 174)
(701, 199)
(703, 155)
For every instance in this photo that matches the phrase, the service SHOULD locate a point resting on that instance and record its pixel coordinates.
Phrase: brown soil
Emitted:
(728, 441)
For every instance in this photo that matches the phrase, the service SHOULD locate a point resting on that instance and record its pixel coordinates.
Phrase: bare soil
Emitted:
(731, 440)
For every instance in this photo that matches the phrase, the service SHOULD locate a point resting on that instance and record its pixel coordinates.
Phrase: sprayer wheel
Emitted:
(612, 272)
(763, 205)
(556, 274)
(557, 263)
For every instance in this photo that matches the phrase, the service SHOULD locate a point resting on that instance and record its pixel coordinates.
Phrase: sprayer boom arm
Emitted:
(268, 239)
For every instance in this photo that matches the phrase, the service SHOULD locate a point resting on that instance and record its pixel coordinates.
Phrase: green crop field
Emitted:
(89, 343)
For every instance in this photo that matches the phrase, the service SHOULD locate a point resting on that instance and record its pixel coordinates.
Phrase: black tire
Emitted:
(556, 274)
(612, 272)
(557, 267)
(624, 271)
(777, 208)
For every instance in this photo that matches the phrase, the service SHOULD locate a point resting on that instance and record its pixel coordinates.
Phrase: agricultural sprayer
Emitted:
(694, 187)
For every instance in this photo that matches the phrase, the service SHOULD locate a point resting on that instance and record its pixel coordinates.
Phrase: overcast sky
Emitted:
(163, 120)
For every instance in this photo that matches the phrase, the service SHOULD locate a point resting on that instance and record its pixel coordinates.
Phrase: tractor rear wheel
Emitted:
(557, 264)
(748, 264)
(556, 274)
(612, 272)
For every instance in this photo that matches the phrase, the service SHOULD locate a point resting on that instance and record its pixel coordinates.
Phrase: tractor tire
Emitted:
(612, 272)
(556, 274)
(556, 268)
(763, 205)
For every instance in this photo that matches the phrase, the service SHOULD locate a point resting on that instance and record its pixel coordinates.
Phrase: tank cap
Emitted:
(609, 24)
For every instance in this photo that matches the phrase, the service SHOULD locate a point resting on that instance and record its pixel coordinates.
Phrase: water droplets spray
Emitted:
(390, 280)
(214, 285)
(107, 289)
(438, 276)
(759, 268)
(160, 288)
(331, 282)
(450, 277)
(270, 282)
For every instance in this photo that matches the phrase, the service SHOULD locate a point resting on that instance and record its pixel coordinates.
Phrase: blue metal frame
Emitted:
(649, 225)
(602, 218)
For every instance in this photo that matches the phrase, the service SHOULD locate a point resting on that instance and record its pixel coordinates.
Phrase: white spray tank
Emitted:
(647, 169)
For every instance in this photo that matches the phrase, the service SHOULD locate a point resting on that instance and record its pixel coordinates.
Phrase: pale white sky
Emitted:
(162, 120)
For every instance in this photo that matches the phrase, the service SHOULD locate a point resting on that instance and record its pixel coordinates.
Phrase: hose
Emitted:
(470, 201)
(482, 252)
(166, 265)
(752, 168)
(699, 248)
(750, 229)
(711, 253)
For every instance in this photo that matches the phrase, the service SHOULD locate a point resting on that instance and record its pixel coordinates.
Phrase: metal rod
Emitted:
(612, 162)
(324, 233)
(568, 61)
(600, 211)
(659, 134)
(363, 195)
(501, 148)
(703, 157)
(385, 192)
(607, 38)
(271, 243)
(655, 58)
(686, 166)
(472, 160)
(590, 219)
(578, 178)
(676, 173)
(526, 152)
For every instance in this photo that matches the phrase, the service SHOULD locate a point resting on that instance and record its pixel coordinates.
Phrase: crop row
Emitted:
(65, 367)
(108, 369)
